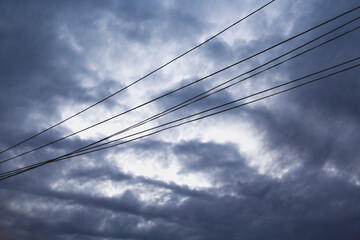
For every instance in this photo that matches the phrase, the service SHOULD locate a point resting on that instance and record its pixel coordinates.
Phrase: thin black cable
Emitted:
(69, 153)
(33, 166)
(138, 80)
(191, 100)
(182, 87)
(43, 163)
(212, 114)
(237, 100)
(177, 107)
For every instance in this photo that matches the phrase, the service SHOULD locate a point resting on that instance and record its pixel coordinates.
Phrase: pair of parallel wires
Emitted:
(98, 145)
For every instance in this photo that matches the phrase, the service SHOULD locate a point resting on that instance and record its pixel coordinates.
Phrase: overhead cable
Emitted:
(12, 173)
(189, 84)
(138, 80)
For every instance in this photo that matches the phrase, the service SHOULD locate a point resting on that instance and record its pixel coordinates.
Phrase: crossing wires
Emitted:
(98, 145)
(18, 171)
(178, 106)
(138, 80)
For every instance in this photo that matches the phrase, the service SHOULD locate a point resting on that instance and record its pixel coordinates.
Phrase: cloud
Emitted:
(283, 168)
(299, 201)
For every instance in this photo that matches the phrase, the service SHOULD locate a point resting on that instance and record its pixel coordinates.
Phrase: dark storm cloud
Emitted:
(222, 54)
(142, 21)
(315, 125)
(200, 156)
(37, 70)
(105, 173)
(305, 204)
(219, 51)
(37, 76)
(323, 139)
(189, 93)
(321, 121)
(135, 20)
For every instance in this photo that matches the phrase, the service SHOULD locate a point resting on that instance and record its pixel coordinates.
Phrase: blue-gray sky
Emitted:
(284, 168)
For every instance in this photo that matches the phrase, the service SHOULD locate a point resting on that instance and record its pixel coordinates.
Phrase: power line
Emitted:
(12, 173)
(239, 99)
(196, 99)
(212, 114)
(70, 153)
(182, 87)
(177, 106)
(140, 79)
(259, 93)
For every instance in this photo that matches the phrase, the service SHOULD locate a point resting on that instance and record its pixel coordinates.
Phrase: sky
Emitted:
(286, 167)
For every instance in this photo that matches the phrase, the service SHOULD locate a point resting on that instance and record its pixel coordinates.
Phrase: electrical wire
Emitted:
(140, 79)
(196, 99)
(239, 99)
(182, 87)
(12, 173)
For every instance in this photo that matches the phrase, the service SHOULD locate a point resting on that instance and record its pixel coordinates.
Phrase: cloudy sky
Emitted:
(286, 167)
